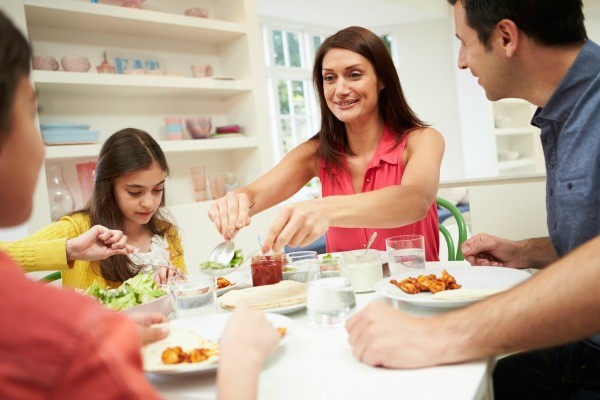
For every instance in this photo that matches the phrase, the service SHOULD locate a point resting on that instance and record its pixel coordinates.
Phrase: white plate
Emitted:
(278, 310)
(236, 279)
(470, 278)
(211, 327)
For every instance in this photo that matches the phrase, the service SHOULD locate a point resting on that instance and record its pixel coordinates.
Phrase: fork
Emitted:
(150, 266)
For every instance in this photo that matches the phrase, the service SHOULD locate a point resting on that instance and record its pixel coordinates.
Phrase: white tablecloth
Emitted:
(317, 363)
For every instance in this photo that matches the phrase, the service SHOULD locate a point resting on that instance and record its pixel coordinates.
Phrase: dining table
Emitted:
(317, 363)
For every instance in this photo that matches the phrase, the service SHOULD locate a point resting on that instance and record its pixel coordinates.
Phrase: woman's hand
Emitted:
(230, 213)
(98, 243)
(298, 224)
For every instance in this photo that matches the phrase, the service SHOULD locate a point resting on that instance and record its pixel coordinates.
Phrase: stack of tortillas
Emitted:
(283, 294)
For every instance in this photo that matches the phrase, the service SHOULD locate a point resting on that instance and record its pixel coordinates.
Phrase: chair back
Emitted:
(54, 276)
(454, 252)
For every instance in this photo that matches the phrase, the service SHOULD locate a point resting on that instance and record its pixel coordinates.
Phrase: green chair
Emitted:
(454, 253)
(54, 276)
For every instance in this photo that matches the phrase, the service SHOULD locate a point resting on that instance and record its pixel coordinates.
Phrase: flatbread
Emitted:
(178, 336)
(464, 294)
(283, 294)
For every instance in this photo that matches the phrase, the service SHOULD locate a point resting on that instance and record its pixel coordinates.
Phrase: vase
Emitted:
(61, 197)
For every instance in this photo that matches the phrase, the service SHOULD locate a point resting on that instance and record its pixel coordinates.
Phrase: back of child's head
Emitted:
(125, 151)
(14, 64)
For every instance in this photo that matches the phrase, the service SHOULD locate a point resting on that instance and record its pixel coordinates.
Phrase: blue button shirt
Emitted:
(570, 124)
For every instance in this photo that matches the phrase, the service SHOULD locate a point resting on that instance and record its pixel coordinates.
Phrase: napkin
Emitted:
(282, 294)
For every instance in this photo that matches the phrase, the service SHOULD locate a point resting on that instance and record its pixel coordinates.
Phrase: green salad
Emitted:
(137, 290)
(237, 259)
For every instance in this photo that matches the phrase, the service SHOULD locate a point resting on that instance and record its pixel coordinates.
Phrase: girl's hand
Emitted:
(146, 331)
(98, 243)
(164, 274)
(230, 213)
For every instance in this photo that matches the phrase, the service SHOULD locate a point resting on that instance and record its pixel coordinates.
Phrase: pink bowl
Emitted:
(197, 12)
(198, 128)
(75, 63)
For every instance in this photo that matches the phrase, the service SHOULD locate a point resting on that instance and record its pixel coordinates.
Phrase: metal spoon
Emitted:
(223, 253)
(370, 242)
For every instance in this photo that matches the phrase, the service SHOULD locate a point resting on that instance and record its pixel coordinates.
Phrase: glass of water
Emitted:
(302, 266)
(194, 297)
(405, 252)
(329, 301)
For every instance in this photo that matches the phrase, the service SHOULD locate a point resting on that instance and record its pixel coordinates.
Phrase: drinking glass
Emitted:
(199, 182)
(329, 301)
(405, 252)
(194, 297)
(217, 186)
(363, 268)
(303, 266)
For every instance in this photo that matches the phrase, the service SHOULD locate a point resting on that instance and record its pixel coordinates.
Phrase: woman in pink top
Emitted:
(378, 162)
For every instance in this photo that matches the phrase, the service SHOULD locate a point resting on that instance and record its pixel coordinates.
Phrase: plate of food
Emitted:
(192, 345)
(283, 298)
(451, 287)
(231, 281)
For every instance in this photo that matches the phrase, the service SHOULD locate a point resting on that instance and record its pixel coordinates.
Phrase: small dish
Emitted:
(197, 12)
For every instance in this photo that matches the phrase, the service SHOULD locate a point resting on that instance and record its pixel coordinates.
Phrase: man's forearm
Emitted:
(556, 306)
(537, 252)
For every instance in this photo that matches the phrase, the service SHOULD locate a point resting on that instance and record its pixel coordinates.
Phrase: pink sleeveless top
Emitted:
(385, 169)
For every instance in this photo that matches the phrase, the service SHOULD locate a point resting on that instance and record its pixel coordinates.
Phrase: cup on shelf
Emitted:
(198, 128)
(173, 128)
(75, 63)
(217, 185)
(45, 63)
(198, 12)
(202, 70)
(199, 183)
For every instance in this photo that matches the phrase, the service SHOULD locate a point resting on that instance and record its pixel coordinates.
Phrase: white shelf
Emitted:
(513, 131)
(82, 16)
(175, 146)
(92, 84)
(524, 162)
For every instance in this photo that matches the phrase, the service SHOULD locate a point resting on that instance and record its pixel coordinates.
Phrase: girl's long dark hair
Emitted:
(397, 115)
(125, 151)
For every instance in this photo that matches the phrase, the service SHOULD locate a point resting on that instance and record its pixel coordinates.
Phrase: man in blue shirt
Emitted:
(536, 50)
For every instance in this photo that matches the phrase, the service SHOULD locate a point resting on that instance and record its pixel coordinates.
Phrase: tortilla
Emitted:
(178, 336)
(283, 294)
(464, 294)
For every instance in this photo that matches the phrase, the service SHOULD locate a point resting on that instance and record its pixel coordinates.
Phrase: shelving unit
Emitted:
(229, 40)
(517, 142)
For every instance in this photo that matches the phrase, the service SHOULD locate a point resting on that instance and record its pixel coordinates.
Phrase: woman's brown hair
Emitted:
(397, 115)
(125, 151)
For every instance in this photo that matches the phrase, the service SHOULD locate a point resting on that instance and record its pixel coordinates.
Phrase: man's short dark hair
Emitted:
(550, 22)
(14, 64)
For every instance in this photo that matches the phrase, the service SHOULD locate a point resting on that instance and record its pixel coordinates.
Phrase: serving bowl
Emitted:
(163, 305)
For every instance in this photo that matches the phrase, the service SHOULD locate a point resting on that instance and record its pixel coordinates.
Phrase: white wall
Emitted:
(426, 67)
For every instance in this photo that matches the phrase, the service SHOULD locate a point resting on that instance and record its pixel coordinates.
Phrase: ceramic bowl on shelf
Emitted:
(198, 128)
(198, 12)
(75, 63)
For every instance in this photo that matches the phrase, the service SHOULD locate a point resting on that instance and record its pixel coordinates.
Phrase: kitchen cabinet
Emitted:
(517, 142)
(228, 40)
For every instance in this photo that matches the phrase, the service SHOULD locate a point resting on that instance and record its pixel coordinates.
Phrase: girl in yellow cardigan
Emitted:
(124, 214)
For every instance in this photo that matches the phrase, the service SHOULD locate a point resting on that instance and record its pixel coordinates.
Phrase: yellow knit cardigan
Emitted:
(46, 250)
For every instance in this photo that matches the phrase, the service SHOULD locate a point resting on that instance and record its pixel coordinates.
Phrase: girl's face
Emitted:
(139, 194)
(21, 156)
(351, 86)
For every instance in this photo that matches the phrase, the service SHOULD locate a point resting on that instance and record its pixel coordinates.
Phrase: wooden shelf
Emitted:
(91, 84)
(82, 16)
(175, 146)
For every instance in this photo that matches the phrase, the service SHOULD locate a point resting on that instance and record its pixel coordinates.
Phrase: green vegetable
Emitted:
(137, 290)
(237, 259)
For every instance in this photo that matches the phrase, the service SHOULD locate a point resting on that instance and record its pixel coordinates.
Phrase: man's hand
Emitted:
(146, 331)
(489, 250)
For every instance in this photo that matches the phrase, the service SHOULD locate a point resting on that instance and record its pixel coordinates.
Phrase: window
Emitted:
(289, 56)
